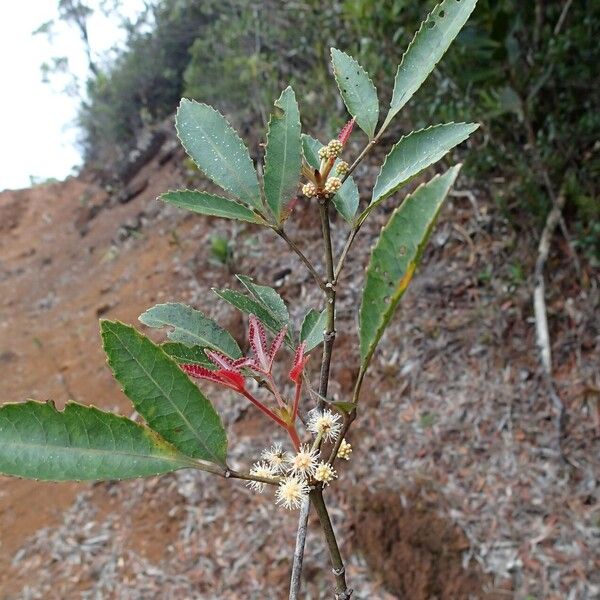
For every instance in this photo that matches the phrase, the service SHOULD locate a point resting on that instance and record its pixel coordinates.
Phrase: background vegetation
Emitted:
(525, 70)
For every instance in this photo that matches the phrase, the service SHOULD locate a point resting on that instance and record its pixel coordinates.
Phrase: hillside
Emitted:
(455, 470)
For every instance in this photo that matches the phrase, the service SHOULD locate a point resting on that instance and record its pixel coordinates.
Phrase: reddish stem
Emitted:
(265, 410)
(291, 429)
(297, 401)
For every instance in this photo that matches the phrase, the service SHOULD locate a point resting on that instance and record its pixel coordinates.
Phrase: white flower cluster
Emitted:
(296, 470)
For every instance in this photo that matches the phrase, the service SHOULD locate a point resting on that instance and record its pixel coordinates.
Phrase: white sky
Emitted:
(37, 134)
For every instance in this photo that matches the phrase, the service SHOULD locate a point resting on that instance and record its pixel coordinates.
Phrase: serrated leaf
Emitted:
(250, 306)
(183, 354)
(396, 256)
(357, 90)
(80, 443)
(268, 297)
(218, 150)
(283, 157)
(210, 205)
(426, 49)
(412, 154)
(191, 327)
(313, 328)
(346, 200)
(163, 395)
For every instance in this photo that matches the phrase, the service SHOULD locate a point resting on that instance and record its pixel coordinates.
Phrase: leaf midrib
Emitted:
(82, 450)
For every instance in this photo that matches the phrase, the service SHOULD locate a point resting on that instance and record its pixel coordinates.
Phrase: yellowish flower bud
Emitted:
(332, 185)
(309, 190)
(345, 450)
(335, 147)
(342, 168)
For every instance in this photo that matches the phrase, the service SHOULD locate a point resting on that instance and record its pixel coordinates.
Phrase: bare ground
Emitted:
(455, 489)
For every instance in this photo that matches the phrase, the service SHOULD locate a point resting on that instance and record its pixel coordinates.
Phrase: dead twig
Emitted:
(541, 316)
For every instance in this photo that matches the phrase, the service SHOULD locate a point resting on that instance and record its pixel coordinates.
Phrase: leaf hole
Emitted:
(386, 299)
(431, 24)
(442, 14)
(402, 250)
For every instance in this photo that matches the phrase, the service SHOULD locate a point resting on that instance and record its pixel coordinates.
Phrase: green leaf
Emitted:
(283, 157)
(313, 328)
(80, 443)
(426, 49)
(412, 154)
(396, 256)
(357, 91)
(191, 327)
(250, 306)
(162, 393)
(210, 205)
(183, 354)
(268, 297)
(218, 150)
(346, 200)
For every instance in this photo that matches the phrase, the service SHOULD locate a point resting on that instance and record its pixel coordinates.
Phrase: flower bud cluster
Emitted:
(310, 190)
(332, 150)
(341, 168)
(332, 185)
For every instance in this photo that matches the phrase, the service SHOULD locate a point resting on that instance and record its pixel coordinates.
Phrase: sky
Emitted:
(38, 134)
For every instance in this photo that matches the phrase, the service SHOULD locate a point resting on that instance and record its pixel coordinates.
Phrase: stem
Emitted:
(342, 592)
(342, 259)
(299, 550)
(330, 301)
(359, 158)
(275, 390)
(294, 247)
(264, 409)
(293, 433)
(341, 589)
(229, 473)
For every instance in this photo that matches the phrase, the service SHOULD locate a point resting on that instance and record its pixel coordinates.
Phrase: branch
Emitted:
(330, 302)
(293, 246)
(299, 550)
(341, 589)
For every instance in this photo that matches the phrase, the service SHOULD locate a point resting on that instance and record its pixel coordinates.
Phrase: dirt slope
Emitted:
(461, 434)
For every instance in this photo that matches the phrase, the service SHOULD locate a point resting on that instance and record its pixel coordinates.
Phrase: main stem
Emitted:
(316, 496)
(329, 334)
(341, 589)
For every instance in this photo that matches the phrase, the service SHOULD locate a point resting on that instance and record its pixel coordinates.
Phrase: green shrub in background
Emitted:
(526, 70)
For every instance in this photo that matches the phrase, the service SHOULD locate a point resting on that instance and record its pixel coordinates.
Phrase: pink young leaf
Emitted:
(222, 361)
(275, 346)
(258, 341)
(230, 379)
(299, 363)
(346, 131)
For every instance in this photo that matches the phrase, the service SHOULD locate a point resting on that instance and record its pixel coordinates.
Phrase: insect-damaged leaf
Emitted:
(426, 49)
(191, 327)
